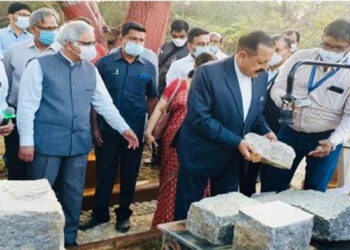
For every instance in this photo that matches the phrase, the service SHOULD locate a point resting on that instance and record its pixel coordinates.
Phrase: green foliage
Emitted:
(233, 19)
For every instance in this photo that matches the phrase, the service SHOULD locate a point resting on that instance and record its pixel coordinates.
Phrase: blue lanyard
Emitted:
(312, 86)
(271, 81)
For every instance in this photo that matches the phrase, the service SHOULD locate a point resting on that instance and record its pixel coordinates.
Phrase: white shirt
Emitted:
(3, 89)
(245, 85)
(328, 110)
(30, 95)
(220, 55)
(180, 69)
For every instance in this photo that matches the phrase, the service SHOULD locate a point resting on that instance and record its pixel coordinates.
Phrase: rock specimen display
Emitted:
(30, 216)
(273, 226)
(274, 153)
(332, 212)
(213, 218)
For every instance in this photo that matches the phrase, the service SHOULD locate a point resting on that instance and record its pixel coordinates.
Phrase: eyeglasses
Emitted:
(47, 28)
(334, 48)
(86, 43)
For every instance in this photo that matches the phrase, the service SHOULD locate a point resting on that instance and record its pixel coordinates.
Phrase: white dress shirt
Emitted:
(180, 69)
(3, 89)
(220, 55)
(30, 95)
(245, 85)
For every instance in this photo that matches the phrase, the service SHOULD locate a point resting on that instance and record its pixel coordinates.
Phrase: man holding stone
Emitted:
(43, 24)
(224, 104)
(322, 121)
(55, 98)
(271, 112)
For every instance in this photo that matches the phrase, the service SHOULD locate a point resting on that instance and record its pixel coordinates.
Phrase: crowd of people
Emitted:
(70, 94)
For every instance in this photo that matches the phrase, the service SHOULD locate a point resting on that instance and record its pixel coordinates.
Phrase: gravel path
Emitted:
(140, 222)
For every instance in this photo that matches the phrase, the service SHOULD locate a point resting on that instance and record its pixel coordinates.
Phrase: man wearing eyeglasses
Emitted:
(18, 14)
(55, 99)
(322, 121)
(43, 24)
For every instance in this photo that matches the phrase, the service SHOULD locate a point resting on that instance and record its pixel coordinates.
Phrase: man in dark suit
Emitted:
(283, 50)
(225, 103)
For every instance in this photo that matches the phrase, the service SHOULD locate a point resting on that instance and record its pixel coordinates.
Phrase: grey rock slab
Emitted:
(213, 218)
(30, 216)
(272, 226)
(332, 212)
(274, 153)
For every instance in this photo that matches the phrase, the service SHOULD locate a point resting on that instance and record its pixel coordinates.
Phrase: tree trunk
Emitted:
(74, 9)
(154, 16)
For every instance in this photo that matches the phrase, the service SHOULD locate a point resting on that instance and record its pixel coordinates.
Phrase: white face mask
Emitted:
(331, 56)
(276, 59)
(200, 49)
(87, 53)
(22, 22)
(179, 42)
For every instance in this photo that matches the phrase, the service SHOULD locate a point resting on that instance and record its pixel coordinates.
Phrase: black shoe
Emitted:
(122, 225)
(92, 222)
(70, 244)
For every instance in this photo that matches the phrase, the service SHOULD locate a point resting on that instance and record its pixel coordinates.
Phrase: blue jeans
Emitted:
(319, 171)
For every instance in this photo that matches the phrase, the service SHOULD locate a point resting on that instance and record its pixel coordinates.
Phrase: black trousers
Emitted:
(109, 156)
(190, 187)
(250, 172)
(249, 176)
(17, 169)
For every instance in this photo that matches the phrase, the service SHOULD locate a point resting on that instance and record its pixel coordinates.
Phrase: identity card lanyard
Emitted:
(312, 86)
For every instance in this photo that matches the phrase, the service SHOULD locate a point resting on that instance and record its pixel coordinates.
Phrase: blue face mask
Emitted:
(199, 50)
(133, 49)
(47, 37)
(213, 49)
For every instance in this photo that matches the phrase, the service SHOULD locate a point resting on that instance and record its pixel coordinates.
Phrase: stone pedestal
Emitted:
(272, 226)
(30, 216)
(213, 218)
(332, 212)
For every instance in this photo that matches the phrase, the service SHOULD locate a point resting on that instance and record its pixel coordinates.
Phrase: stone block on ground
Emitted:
(30, 216)
(332, 212)
(272, 226)
(213, 218)
(274, 153)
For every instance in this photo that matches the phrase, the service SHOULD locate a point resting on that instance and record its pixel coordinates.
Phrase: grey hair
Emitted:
(216, 34)
(38, 16)
(72, 31)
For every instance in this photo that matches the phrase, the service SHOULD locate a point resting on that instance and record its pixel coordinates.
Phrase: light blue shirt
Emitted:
(8, 37)
(15, 61)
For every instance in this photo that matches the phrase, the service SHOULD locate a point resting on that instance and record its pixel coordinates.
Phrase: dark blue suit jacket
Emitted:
(214, 125)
